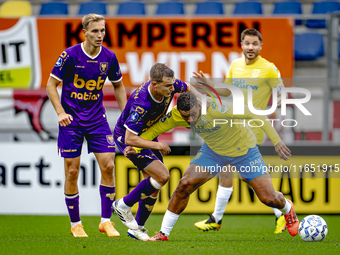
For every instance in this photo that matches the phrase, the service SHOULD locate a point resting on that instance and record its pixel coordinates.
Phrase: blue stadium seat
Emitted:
(248, 8)
(170, 8)
(288, 7)
(322, 7)
(131, 8)
(53, 8)
(92, 7)
(205, 8)
(309, 46)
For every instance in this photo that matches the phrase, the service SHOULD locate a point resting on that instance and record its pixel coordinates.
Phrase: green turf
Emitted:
(244, 234)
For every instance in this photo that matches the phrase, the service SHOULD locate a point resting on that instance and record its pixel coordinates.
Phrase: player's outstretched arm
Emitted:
(282, 150)
(120, 94)
(205, 79)
(64, 119)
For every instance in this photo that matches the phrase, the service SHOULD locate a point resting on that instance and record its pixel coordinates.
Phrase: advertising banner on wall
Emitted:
(32, 176)
(185, 44)
(19, 53)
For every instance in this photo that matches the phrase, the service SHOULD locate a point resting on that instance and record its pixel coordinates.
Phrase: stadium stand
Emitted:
(322, 7)
(131, 8)
(209, 8)
(170, 8)
(309, 46)
(288, 7)
(11, 9)
(247, 8)
(92, 7)
(54, 8)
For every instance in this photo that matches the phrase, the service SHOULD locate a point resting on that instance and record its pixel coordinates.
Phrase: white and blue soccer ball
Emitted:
(313, 228)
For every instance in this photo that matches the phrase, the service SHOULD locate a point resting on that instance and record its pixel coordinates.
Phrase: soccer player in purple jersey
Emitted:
(83, 70)
(145, 107)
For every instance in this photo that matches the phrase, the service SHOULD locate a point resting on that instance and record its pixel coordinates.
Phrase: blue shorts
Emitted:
(99, 139)
(142, 159)
(250, 165)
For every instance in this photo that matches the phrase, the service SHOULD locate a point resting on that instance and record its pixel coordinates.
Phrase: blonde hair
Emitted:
(90, 18)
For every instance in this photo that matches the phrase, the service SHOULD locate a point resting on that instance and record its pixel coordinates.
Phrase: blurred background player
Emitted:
(83, 70)
(241, 74)
(223, 145)
(146, 105)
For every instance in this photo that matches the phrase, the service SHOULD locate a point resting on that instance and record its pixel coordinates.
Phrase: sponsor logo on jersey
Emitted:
(134, 116)
(140, 110)
(204, 120)
(59, 62)
(103, 66)
(119, 73)
(256, 73)
(223, 108)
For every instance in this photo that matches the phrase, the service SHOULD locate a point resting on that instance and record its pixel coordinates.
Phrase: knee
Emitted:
(108, 168)
(72, 174)
(269, 200)
(185, 187)
(163, 178)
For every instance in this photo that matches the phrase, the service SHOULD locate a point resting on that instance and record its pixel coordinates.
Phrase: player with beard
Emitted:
(224, 144)
(257, 73)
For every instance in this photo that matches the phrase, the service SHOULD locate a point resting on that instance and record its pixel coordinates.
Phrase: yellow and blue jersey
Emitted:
(261, 76)
(232, 140)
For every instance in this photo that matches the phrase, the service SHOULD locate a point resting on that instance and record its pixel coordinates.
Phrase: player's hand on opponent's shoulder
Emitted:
(64, 119)
(164, 148)
(129, 151)
(282, 150)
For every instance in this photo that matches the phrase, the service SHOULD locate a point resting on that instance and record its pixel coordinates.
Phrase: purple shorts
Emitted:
(98, 136)
(142, 159)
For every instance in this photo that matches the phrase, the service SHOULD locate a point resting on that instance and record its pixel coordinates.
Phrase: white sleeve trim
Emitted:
(117, 80)
(55, 77)
(133, 132)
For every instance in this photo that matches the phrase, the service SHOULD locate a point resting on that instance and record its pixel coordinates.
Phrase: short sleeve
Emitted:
(180, 86)
(63, 66)
(115, 74)
(275, 77)
(135, 121)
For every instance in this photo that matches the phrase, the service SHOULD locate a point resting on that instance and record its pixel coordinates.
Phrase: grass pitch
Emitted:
(240, 234)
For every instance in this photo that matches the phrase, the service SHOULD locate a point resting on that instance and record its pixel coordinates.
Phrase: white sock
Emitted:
(103, 220)
(75, 223)
(222, 199)
(155, 184)
(286, 208)
(169, 220)
(122, 205)
(277, 212)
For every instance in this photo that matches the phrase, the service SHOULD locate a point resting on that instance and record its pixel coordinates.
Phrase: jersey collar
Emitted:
(83, 49)
(257, 61)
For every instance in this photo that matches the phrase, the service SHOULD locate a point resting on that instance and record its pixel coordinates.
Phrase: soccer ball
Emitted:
(313, 228)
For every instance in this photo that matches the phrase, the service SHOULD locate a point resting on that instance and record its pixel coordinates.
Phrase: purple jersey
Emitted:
(142, 110)
(83, 78)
